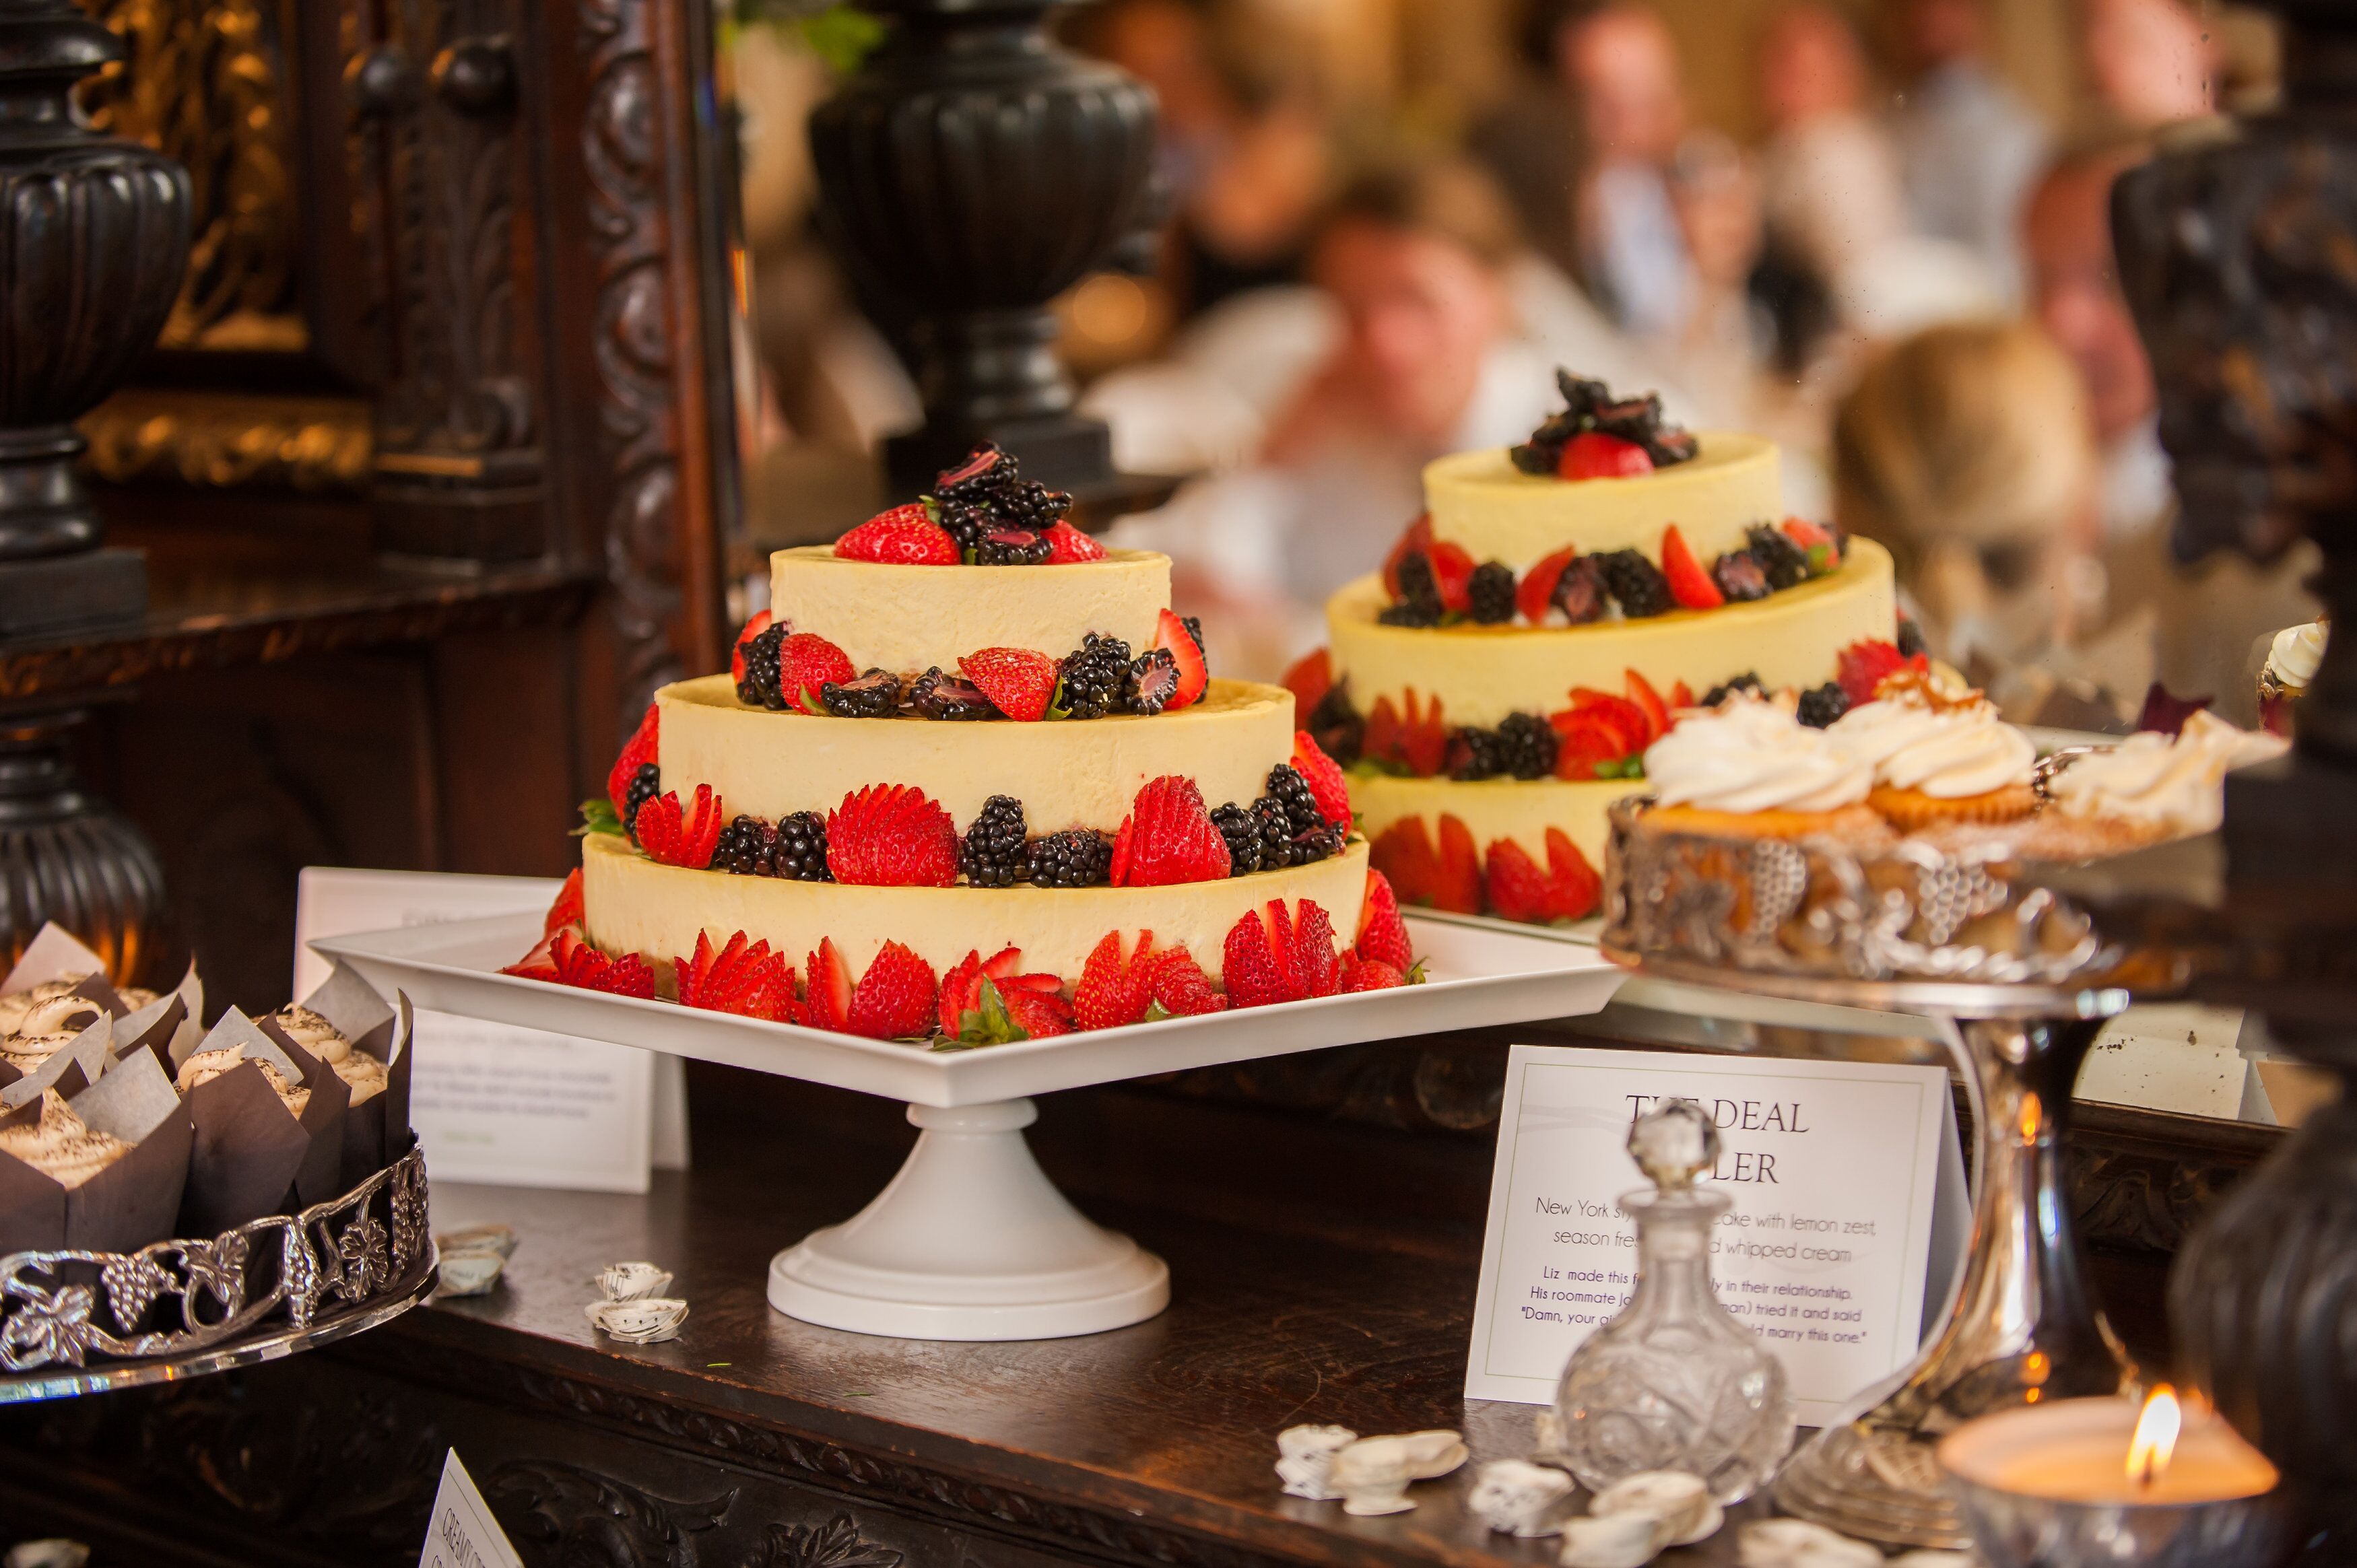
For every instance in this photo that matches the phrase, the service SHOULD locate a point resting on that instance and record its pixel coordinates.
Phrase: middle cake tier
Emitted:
(1070, 774)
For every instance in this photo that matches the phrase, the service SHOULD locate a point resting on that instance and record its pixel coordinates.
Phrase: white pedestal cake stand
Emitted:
(970, 1241)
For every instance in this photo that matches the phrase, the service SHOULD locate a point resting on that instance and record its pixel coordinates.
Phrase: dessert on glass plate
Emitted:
(1494, 688)
(969, 781)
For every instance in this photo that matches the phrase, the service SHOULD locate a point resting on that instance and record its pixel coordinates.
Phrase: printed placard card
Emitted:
(1835, 1169)
(462, 1534)
(493, 1102)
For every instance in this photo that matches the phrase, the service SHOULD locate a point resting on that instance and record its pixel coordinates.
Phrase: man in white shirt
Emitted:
(1968, 144)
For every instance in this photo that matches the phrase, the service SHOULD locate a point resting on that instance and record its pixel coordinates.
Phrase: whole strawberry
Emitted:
(891, 836)
(899, 998)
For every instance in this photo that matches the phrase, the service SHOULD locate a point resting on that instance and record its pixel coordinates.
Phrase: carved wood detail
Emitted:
(589, 1521)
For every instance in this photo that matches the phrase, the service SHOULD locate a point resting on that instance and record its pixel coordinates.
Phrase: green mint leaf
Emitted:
(598, 816)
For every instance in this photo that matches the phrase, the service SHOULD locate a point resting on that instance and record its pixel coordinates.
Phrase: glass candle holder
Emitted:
(1674, 1382)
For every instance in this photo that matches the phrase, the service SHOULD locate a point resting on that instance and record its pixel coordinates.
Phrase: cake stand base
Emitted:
(970, 1241)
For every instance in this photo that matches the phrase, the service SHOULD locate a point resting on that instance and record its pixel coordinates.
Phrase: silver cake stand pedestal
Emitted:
(2023, 1327)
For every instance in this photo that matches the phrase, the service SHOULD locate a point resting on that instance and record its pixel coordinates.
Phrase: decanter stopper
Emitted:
(1673, 1381)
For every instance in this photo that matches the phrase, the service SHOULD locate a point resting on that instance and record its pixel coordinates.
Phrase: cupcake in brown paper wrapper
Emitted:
(267, 1118)
(95, 1166)
(59, 986)
(365, 1043)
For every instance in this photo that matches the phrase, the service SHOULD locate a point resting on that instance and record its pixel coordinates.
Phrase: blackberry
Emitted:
(1635, 582)
(965, 521)
(1150, 683)
(1194, 625)
(1078, 857)
(1013, 547)
(800, 853)
(939, 696)
(1319, 844)
(1746, 682)
(759, 687)
(1407, 615)
(1781, 562)
(1823, 705)
(993, 854)
(1492, 588)
(1527, 745)
(1292, 791)
(1242, 830)
(875, 696)
(1418, 586)
(745, 847)
(1475, 754)
(645, 785)
(1028, 504)
(1276, 832)
(1739, 577)
(1579, 592)
(1336, 726)
(986, 470)
(1910, 639)
(1090, 677)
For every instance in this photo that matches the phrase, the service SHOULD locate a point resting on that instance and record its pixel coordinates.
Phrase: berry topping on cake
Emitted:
(1368, 975)
(672, 837)
(1518, 890)
(1115, 986)
(570, 908)
(906, 536)
(1417, 592)
(1276, 832)
(799, 851)
(756, 664)
(1324, 777)
(645, 785)
(1077, 857)
(1821, 705)
(1183, 639)
(897, 999)
(1579, 593)
(1911, 642)
(1417, 537)
(1168, 838)
(806, 662)
(639, 753)
(1591, 408)
(993, 854)
(1737, 577)
(1535, 593)
(1382, 934)
(1592, 454)
(939, 696)
(1689, 584)
(1416, 743)
(1068, 545)
(1309, 678)
(1780, 561)
(565, 958)
(827, 994)
(1090, 678)
(1242, 830)
(1018, 682)
(1452, 576)
(1291, 790)
(752, 629)
(1746, 682)
(1275, 955)
(1817, 545)
(746, 847)
(1866, 665)
(1013, 547)
(743, 977)
(1635, 584)
(1649, 702)
(1179, 986)
(1448, 877)
(875, 696)
(891, 836)
(1490, 592)
(1150, 682)
(1524, 745)
(985, 466)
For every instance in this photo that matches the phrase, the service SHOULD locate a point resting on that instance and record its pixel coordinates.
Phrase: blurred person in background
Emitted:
(1619, 65)
(1969, 145)
(2150, 63)
(1968, 450)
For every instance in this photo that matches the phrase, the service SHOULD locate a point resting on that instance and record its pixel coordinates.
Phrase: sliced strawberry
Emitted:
(960, 991)
(1417, 536)
(1689, 584)
(569, 908)
(906, 536)
(891, 836)
(1069, 545)
(1001, 965)
(1584, 745)
(637, 752)
(1592, 454)
(1517, 888)
(1382, 934)
(1371, 974)
(1621, 717)
(1309, 678)
(1866, 663)
(1115, 986)
(1186, 652)
(1178, 984)
(742, 978)
(570, 961)
(1649, 702)
(1040, 1015)
(1315, 967)
(672, 837)
(1681, 697)
(1249, 966)
(1417, 743)
(1403, 855)
(1169, 838)
(807, 662)
(829, 992)
(1324, 777)
(541, 962)
(1535, 595)
(753, 628)
(1019, 683)
(1452, 571)
(1806, 534)
(1577, 889)
(1459, 887)
(899, 998)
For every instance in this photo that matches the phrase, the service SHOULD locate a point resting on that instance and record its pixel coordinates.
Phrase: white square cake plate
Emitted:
(970, 1240)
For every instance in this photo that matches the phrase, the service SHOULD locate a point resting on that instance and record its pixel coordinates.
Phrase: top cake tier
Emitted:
(1481, 501)
(910, 618)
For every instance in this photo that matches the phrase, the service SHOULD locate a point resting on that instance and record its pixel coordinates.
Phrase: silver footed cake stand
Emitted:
(2023, 1327)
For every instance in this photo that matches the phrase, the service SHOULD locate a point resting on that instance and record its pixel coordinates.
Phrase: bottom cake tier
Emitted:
(1439, 841)
(636, 905)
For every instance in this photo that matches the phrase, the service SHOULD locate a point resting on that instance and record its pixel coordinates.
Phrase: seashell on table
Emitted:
(1516, 1498)
(1305, 1459)
(633, 1281)
(650, 1320)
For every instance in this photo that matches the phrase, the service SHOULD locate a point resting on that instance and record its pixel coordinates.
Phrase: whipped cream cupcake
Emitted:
(1938, 756)
(2157, 785)
(362, 1071)
(2291, 664)
(60, 1144)
(204, 1066)
(1749, 768)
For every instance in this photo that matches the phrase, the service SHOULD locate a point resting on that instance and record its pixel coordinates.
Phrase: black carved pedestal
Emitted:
(94, 240)
(969, 173)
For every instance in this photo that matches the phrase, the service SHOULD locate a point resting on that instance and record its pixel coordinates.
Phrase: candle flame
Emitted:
(2155, 1435)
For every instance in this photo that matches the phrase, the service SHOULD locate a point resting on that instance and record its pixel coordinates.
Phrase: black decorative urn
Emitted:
(969, 173)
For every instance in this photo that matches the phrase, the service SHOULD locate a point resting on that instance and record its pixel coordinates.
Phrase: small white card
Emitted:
(1848, 1181)
(462, 1534)
(492, 1103)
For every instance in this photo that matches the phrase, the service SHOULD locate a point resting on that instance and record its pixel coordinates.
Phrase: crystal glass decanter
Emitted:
(1675, 1383)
